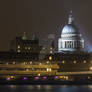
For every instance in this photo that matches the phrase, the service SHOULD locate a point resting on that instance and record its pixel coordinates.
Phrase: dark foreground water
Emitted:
(45, 88)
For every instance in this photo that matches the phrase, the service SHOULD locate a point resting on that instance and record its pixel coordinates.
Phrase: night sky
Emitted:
(42, 17)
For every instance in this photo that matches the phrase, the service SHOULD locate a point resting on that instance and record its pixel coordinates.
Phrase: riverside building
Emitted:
(70, 62)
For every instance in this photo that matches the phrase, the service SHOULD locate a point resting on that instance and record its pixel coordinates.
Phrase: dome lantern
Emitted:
(70, 19)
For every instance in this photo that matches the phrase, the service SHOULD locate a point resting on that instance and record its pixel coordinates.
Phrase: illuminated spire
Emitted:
(70, 19)
(24, 37)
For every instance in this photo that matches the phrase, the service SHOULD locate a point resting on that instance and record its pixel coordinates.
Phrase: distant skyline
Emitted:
(43, 17)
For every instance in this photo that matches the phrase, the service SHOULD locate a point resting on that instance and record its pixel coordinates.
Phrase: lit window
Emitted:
(75, 62)
(7, 63)
(89, 77)
(48, 69)
(60, 77)
(11, 77)
(47, 62)
(50, 57)
(91, 61)
(51, 52)
(66, 77)
(30, 62)
(43, 48)
(84, 61)
(18, 46)
(27, 69)
(40, 63)
(51, 48)
(39, 74)
(18, 51)
(90, 68)
(63, 61)
(26, 48)
(25, 63)
(14, 62)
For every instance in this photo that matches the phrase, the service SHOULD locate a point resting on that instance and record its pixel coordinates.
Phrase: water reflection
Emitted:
(12, 86)
(30, 87)
(90, 87)
(45, 88)
(68, 88)
(48, 87)
(38, 87)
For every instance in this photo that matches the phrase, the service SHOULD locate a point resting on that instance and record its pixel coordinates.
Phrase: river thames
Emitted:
(45, 88)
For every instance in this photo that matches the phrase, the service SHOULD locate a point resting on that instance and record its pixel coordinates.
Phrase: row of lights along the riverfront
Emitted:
(35, 60)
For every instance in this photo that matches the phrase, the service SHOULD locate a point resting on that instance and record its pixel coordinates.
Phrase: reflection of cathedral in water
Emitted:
(71, 39)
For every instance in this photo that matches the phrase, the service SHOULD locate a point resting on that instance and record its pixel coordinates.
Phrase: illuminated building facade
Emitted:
(23, 45)
(71, 39)
(23, 58)
(48, 44)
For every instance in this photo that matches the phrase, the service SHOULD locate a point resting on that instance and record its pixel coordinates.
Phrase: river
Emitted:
(45, 88)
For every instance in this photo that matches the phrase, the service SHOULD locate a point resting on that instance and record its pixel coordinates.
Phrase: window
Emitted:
(18, 46)
(84, 61)
(28, 48)
(25, 48)
(51, 52)
(51, 48)
(50, 57)
(63, 62)
(18, 51)
(75, 62)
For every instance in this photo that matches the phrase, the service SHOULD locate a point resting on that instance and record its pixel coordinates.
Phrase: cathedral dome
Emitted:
(71, 39)
(70, 29)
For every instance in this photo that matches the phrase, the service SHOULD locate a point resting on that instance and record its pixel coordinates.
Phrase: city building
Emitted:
(38, 59)
(22, 44)
(48, 44)
(71, 39)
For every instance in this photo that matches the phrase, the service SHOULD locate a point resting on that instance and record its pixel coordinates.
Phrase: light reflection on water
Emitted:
(45, 88)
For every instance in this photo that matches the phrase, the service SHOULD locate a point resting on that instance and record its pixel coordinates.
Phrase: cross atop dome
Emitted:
(70, 19)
